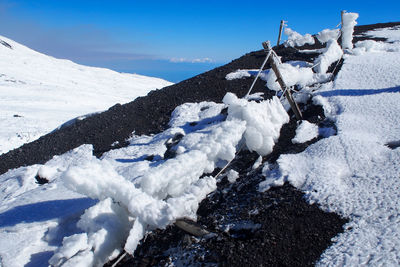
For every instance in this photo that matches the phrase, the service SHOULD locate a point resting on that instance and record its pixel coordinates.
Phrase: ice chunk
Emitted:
(305, 132)
(232, 176)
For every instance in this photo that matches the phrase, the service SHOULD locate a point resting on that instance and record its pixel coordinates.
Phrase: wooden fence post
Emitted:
(280, 32)
(279, 78)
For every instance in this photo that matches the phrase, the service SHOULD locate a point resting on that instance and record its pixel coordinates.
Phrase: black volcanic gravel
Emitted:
(287, 231)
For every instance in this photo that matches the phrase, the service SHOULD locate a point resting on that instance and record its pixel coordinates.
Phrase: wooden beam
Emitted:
(280, 32)
(279, 78)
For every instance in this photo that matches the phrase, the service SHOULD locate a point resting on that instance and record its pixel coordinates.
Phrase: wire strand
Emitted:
(258, 74)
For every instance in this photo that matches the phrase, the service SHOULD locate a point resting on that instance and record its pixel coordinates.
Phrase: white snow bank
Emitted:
(332, 53)
(354, 173)
(325, 35)
(392, 33)
(349, 21)
(296, 39)
(374, 46)
(305, 132)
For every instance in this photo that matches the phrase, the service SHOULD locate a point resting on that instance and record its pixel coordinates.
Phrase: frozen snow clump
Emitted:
(296, 39)
(263, 121)
(305, 132)
(327, 34)
(332, 53)
(292, 75)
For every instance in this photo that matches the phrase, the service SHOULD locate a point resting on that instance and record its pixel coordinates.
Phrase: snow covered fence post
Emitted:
(280, 32)
(279, 78)
(348, 23)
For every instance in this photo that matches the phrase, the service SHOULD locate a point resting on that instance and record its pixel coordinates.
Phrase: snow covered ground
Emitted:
(355, 173)
(91, 209)
(134, 193)
(38, 93)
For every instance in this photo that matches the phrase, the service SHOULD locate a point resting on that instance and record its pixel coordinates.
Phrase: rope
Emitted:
(119, 259)
(258, 74)
(241, 145)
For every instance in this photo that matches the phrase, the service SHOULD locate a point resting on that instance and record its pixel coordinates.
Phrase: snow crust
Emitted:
(349, 21)
(355, 173)
(38, 93)
(296, 39)
(123, 195)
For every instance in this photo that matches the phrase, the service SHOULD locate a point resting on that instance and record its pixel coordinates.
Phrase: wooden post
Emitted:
(341, 27)
(285, 89)
(280, 32)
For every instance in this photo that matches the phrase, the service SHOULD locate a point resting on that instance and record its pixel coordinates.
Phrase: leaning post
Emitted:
(280, 32)
(279, 78)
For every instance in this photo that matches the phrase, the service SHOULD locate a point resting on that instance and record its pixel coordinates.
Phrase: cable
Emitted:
(258, 74)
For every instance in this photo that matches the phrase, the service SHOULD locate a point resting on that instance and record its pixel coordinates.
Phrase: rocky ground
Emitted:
(276, 228)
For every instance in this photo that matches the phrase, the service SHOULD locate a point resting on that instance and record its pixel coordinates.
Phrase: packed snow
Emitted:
(356, 172)
(131, 190)
(38, 93)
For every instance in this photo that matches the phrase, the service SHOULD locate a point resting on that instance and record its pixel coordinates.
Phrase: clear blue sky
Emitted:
(170, 39)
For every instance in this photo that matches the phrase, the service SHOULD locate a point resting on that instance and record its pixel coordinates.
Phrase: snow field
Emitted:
(38, 93)
(355, 173)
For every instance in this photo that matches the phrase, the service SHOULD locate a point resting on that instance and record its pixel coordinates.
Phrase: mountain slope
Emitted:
(257, 218)
(38, 93)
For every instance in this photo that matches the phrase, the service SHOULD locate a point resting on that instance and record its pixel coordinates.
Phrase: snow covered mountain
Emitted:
(322, 191)
(38, 93)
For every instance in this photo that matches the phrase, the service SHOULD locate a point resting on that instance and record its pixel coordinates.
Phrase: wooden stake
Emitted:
(341, 26)
(280, 32)
(285, 89)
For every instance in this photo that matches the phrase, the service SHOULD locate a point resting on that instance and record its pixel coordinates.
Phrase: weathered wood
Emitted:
(191, 227)
(280, 32)
(341, 27)
(279, 78)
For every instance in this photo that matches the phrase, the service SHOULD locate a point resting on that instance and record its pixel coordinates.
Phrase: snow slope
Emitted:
(93, 208)
(38, 93)
(356, 173)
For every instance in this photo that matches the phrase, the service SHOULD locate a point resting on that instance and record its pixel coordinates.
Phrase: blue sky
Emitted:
(170, 39)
